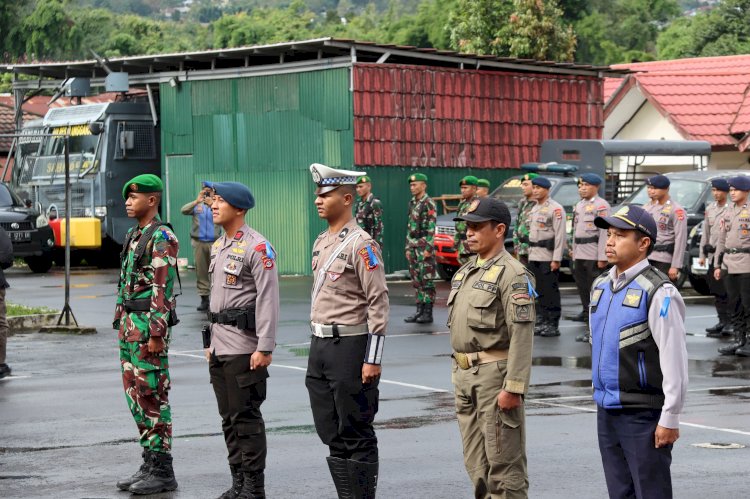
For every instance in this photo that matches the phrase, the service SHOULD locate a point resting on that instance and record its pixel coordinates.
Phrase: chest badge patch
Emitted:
(633, 298)
(595, 296)
(231, 279)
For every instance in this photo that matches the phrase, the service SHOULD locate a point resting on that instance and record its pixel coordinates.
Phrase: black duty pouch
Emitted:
(173, 320)
(206, 335)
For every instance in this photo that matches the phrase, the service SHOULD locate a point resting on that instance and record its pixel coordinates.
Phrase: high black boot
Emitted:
(139, 475)
(363, 478)
(160, 477)
(253, 485)
(744, 350)
(340, 474)
(237, 480)
(740, 339)
(716, 330)
(426, 316)
(203, 307)
(551, 329)
(728, 330)
(413, 317)
(540, 326)
(4, 370)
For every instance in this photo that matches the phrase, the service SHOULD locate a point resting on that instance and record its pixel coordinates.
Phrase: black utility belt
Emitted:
(523, 239)
(547, 243)
(241, 318)
(733, 251)
(586, 240)
(138, 305)
(664, 247)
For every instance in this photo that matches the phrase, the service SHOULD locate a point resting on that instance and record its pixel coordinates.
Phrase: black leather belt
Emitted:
(733, 251)
(586, 240)
(138, 305)
(547, 243)
(664, 247)
(523, 239)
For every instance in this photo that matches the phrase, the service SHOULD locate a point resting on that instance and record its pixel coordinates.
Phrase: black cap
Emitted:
(486, 209)
(658, 181)
(630, 217)
(720, 184)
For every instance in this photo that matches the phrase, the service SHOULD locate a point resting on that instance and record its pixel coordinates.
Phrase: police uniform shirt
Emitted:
(243, 273)
(734, 232)
(490, 308)
(583, 228)
(666, 320)
(547, 221)
(353, 290)
(671, 225)
(711, 222)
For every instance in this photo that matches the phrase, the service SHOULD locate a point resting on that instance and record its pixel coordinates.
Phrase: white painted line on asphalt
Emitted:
(692, 390)
(11, 377)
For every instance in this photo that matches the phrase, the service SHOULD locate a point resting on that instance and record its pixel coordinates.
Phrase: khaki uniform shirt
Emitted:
(583, 227)
(734, 232)
(489, 307)
(547, 221)
(710, 233)
(243, 273)
(671, 228)
(352, 290)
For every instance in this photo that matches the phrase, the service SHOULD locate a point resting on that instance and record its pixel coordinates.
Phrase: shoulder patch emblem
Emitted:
(558, 213)
(680, 214)
(522, 313)
(368, 256)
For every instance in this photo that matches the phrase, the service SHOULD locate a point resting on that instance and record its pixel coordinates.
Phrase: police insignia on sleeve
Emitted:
(523, 313)
(268, 256)
(369, 258)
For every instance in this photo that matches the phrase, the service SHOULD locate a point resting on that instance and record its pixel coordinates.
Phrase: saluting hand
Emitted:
(507, 401)
(370, 372)
(156, 344)
(258, 359)
(665, 436)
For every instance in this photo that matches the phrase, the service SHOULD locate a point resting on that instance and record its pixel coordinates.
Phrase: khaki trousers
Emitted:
(494, 441)
(3, 326)
(202, 253)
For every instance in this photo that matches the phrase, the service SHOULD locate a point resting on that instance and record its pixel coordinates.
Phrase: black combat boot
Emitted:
(253, 485)
(125, 483)
(160, 477)
(340, 474)
(716, 330)
(728, 330)
(540, 326)
(363, 478)
(584, 338)
(551, 329)
(237, 480)
(4, 370)
(744, 350)
(203, 307)
(582, 317)
(413, 317)
(740, 339)
(426, 316)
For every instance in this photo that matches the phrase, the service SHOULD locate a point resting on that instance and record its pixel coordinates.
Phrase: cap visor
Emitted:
(325, 189)
(208, 184)
(607, 222)
(471, 218)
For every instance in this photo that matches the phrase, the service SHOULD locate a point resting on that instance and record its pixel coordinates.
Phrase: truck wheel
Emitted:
(699, 284)
(39, 264)
(446, 271)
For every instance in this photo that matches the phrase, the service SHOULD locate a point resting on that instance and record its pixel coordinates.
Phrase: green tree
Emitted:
(10, 16)
(49, 32)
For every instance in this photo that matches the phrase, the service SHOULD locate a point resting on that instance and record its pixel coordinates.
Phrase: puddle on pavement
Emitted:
(442, 408)
(576, 383)
(730, 367)
(570, 362)
(292, 430)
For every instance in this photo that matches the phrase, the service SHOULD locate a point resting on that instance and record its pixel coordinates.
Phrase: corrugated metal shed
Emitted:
(438, 117)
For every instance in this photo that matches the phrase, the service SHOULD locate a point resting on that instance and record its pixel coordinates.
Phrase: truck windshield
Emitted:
(686, 193)
(509, 192)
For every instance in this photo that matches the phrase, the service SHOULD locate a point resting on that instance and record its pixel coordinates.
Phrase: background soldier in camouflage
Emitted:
(420, 251)
(369, 211)
(468, 186)
(521, 231)
(483, 188)
(144, 312)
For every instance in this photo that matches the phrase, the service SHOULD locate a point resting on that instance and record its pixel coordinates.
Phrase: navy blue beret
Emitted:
(541, 182)
(720, 184)
(591, 178)
(741, 183)
(234, 193)
(658, 181)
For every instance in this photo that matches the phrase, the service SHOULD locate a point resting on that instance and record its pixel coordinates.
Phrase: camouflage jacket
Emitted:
(420, 230)
(521, 231)
(459, 238)
(153, 280)
(369, 213)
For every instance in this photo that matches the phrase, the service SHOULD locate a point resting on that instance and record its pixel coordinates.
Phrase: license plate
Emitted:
(20, 236)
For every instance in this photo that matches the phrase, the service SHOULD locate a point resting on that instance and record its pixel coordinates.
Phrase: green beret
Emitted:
(417, 177)
(483, 182)
(143, 183)
(469, 180)
(363, 179)
(529, 176)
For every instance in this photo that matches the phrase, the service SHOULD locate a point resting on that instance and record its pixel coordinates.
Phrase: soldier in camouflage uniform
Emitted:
(420, 250)
(521, 231)
(468, 186)
(483, 188)
(143, 316)
(369, 211)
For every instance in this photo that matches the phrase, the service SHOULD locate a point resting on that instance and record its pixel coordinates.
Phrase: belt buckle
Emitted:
(318, 330)
(462, 360)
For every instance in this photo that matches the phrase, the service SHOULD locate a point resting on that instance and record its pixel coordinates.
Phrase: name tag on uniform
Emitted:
(633, 298)
(485, 286)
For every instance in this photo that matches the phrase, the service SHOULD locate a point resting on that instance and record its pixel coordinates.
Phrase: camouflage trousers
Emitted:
(422, 272)
(145, 377)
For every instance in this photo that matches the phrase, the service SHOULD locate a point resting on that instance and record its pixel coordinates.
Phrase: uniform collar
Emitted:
(629, 274)
(244, 230)
(489, 263)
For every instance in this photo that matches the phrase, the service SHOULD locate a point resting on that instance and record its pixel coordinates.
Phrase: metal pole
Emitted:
(67, 312)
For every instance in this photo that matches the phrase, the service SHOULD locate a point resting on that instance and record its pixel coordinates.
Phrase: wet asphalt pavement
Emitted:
(67, 433)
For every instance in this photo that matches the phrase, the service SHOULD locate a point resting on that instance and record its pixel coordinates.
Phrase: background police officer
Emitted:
(6, 261)
(369, 211)
(589, 242)
(671, 223)
(733, 254)
(420, 247)
(244, 314)
(521, 230)
(639, 360)
(483, 188)
(546, 244)
(468, 186)
(707, 249)
(349, 316)
(492, 348)
(144, 312)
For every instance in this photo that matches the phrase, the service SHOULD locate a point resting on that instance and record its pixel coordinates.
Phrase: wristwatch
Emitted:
(265, 352)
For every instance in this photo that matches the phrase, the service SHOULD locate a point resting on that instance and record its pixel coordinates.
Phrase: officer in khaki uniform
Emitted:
(707, 249)
(244, 314)
(732, 263)
(546, 245)
(671, 223)
(348, 320)
(491, 318)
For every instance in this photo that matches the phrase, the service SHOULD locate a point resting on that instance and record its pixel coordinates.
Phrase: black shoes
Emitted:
(253, 486)
(237, 480)
(426, 315)
(584, 338)
(415, 315)
(139, 475)
(353, 479)
(582, 317)
(740, 339)
(203, 307)
(4, 370)
(160, 477)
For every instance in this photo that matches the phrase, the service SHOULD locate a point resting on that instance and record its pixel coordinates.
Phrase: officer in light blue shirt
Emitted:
(639, 360)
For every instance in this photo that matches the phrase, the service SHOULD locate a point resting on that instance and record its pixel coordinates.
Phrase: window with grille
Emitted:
(139, 141)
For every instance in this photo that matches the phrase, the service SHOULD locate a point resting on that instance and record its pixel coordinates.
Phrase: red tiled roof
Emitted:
(8, 125)
(39, 105)
(706, 98)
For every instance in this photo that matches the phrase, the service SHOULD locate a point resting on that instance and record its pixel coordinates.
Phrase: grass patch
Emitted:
(14, 310)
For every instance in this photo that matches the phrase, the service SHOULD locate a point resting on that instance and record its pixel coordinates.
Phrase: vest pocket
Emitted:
(482, 314)
(643, 381)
